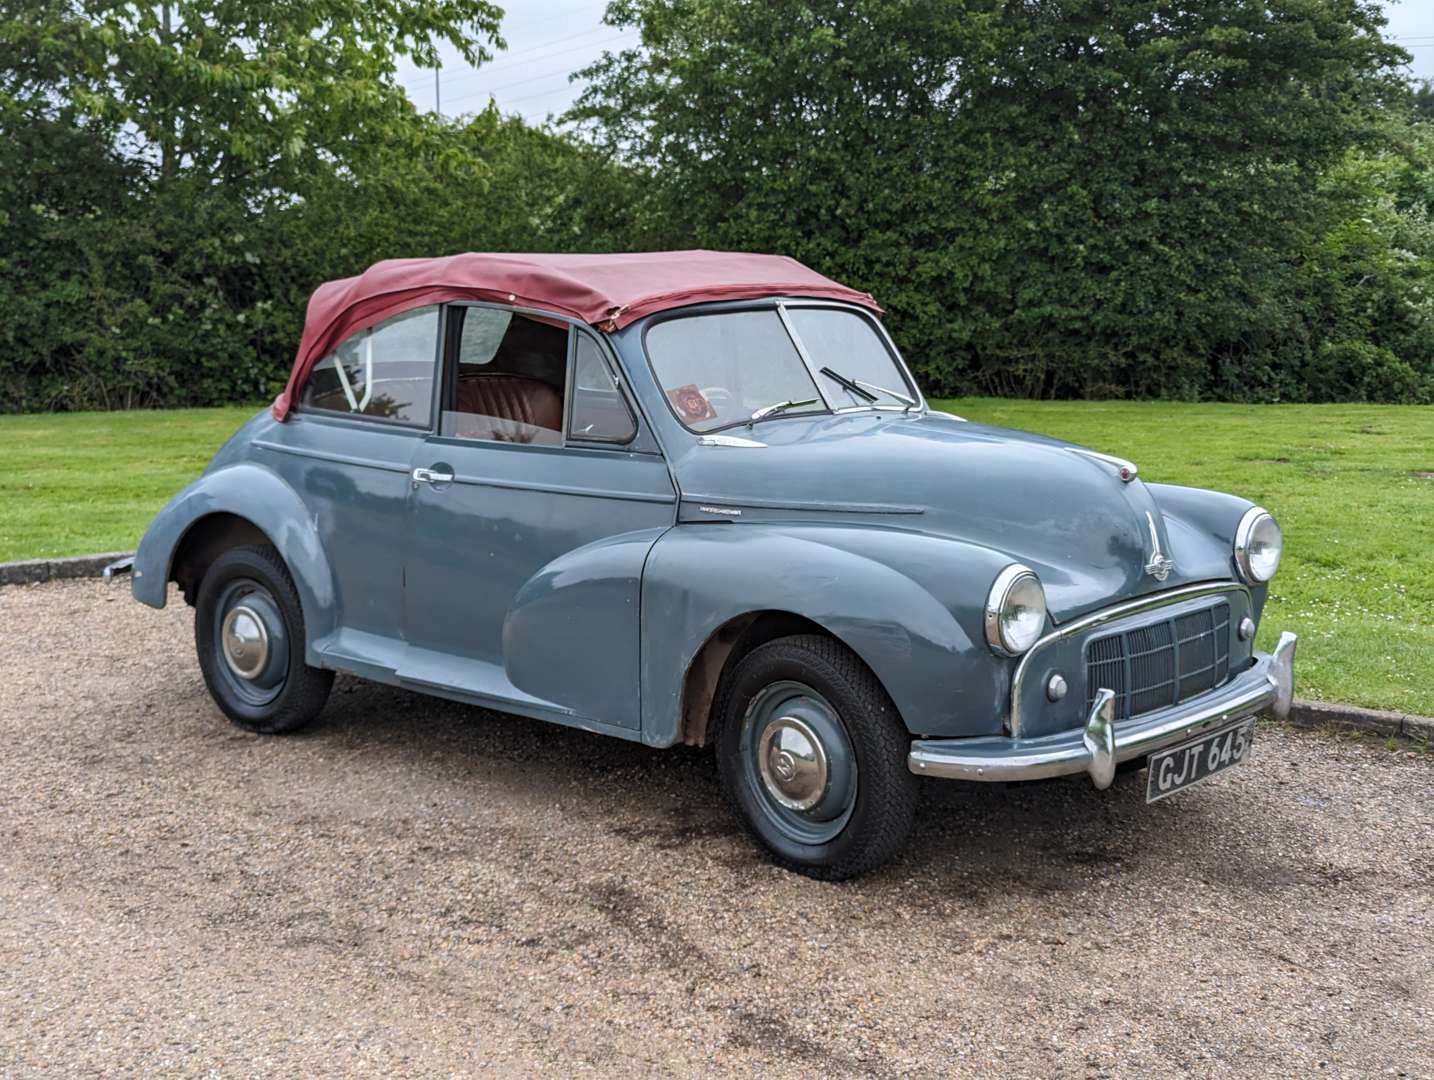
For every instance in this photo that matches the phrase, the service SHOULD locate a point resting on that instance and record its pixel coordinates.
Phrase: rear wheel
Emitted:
(812, 758)
(249, 633)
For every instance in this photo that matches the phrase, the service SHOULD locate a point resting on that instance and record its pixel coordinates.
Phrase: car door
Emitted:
(532, 509)
(346, 450)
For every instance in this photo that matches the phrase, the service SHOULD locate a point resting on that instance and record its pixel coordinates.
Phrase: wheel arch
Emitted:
(705, 586)
(205, 540)
(724, 649)
(239, 504)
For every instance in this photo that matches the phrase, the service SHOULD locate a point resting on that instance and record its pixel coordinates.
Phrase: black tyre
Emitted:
(249, 632)
(812, 758)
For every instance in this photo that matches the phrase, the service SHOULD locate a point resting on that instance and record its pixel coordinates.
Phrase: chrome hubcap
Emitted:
(793, 763)
(798, 762)
(246, 642)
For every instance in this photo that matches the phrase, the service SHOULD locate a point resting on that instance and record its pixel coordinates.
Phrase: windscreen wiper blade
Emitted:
(778, 407)
(903, 398)
(851, 385)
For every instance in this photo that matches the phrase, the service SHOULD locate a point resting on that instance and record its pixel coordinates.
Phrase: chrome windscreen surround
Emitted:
(1155, 601)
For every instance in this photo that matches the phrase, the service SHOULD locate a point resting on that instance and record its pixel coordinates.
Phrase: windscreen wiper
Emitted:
(903, 398)
(850, 385)
(861, 388)
(776, 408)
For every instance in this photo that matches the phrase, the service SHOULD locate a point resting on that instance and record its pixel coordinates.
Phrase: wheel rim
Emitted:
(798, 762)
(251, 642)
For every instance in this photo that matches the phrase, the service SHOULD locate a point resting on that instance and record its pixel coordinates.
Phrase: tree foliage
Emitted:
(1056, 197)
(1423, 100)
(265, 90)
(179, 178)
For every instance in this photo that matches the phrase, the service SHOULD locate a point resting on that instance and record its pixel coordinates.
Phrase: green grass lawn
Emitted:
(77, 483)
(1347, 483)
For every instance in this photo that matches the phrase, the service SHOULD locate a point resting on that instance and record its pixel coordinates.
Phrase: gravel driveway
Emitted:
(414, 888)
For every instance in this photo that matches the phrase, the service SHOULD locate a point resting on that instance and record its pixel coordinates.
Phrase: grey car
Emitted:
(698, 498)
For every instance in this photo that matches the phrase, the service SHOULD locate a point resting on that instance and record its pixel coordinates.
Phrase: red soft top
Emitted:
(606, 291)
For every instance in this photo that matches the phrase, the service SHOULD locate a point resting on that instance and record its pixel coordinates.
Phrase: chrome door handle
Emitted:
(431, 476)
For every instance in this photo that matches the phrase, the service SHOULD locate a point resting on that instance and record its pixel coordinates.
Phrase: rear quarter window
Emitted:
(384, 372)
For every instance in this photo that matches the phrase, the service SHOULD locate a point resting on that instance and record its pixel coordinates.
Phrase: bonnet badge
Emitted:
(1159, 566)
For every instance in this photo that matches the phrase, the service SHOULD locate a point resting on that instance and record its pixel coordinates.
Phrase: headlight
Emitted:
(1257, 546)
(1015, 610)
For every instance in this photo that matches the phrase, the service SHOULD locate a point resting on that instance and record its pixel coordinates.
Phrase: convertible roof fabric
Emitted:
(606, 291)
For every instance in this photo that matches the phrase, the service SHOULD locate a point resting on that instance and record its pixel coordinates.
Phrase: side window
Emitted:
(511, 377)
(385, 371)
(599, 413)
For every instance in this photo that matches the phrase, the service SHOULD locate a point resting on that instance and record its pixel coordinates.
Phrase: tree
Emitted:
(263, 91)
(1422, 98)
(166, 148)
(1372, 274)
(1099, 197)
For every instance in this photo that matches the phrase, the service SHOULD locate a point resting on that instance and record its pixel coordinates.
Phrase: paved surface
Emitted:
(414, 888)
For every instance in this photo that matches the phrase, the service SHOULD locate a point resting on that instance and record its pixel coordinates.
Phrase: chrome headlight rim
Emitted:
(1253, 518)
(1014, 575)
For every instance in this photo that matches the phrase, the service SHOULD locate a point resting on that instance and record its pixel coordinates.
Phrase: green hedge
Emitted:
(119, 293)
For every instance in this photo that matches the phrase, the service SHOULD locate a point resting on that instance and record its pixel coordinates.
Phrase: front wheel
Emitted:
(812, 757)
(249, 633)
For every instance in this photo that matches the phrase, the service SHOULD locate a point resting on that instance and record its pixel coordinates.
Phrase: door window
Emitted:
(510, 381)
(384, 372)
(511, 377)
(599, 413)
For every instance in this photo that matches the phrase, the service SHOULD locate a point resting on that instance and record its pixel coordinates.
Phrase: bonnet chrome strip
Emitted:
(1126, 470)
(730, 440)
(797, 504)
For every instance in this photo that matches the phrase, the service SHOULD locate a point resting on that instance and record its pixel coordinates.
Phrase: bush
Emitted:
(1359, 371)
(1055, 200)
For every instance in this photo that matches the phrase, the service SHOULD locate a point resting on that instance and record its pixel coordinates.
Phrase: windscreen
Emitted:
(846, 349)
(722, 369)
(717, 370)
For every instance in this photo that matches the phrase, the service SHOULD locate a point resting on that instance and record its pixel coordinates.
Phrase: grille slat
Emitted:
(1162, 663)
(1105, 666)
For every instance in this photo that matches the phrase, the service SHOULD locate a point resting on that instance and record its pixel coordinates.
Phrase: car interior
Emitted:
(509, 382)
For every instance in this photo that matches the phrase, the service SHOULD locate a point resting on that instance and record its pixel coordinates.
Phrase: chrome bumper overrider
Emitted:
(1266, 686)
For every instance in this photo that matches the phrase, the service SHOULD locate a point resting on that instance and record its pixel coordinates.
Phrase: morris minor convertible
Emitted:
(698, 498)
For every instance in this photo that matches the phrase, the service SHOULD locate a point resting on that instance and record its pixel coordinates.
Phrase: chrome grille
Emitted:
(1161, 663)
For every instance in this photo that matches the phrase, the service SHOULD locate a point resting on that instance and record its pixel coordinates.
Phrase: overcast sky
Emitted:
(550, 39)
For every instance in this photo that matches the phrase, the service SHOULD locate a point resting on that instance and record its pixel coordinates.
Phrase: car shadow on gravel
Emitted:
(1056, 837)
(983, 841)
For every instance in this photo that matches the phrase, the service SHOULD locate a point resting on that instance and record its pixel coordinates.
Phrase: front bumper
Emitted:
(1265, 686)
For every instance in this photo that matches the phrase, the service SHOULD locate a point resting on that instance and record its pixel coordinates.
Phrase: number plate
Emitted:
(1199, 759)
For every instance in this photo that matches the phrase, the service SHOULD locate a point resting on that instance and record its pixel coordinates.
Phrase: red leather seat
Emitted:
(522, 401)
